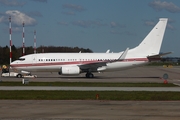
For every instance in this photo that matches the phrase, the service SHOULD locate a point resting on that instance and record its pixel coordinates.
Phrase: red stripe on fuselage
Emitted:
(74, 62)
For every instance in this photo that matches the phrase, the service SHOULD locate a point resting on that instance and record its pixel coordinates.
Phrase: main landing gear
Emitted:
(89, 75)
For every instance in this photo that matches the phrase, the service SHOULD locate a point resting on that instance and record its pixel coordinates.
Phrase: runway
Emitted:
(169, 89)
(88, 110)
(97, 109)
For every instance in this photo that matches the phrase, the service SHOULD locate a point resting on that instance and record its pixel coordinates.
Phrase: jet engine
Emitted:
(69, 70)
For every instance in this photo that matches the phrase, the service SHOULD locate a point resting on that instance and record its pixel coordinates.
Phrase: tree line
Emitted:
(17, 51)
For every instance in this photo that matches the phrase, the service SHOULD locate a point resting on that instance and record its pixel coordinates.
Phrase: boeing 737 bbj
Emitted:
(76, 63)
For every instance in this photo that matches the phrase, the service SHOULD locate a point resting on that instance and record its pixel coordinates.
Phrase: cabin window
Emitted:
(21, 59)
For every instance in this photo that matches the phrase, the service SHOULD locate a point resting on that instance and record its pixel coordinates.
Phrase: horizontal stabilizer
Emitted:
(158, 56)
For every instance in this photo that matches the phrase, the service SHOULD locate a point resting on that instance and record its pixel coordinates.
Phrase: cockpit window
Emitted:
(21, 59)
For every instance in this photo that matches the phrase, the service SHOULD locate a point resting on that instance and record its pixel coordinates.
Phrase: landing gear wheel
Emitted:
(19, 76)
(89, 75)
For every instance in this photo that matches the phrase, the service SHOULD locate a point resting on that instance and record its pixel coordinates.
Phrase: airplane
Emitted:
(89, 63)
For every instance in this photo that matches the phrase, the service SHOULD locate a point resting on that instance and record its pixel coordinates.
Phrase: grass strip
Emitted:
(89, 95)
(88, 84)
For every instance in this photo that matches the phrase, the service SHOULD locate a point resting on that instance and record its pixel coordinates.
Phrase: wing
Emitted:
(95, 65)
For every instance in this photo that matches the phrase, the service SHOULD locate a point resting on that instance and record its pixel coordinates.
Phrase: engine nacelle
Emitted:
(69, 70)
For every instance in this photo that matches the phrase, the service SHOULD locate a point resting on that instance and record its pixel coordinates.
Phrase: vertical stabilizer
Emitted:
(152, 42)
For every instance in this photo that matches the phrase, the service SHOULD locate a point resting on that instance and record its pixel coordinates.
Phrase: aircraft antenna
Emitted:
(10, 43)
(23, 45)
(34, 42)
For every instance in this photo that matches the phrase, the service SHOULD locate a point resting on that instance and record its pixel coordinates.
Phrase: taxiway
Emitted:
(135, 75)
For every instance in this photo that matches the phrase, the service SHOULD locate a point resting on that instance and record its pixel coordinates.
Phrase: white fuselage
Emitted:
(54, 61)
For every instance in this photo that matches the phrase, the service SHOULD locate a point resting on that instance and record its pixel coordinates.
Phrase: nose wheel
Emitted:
(89, 75)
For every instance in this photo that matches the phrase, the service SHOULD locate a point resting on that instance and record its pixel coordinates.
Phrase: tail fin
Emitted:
(152, 42)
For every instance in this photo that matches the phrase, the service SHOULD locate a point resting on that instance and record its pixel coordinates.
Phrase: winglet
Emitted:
(123, 56)
(108, 51)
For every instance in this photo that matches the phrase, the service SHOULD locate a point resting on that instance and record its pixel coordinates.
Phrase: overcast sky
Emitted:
(95, 24)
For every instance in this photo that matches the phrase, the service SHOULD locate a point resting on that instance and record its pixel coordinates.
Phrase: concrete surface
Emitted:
(88, 110)
(96, 110)
(139, 74)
